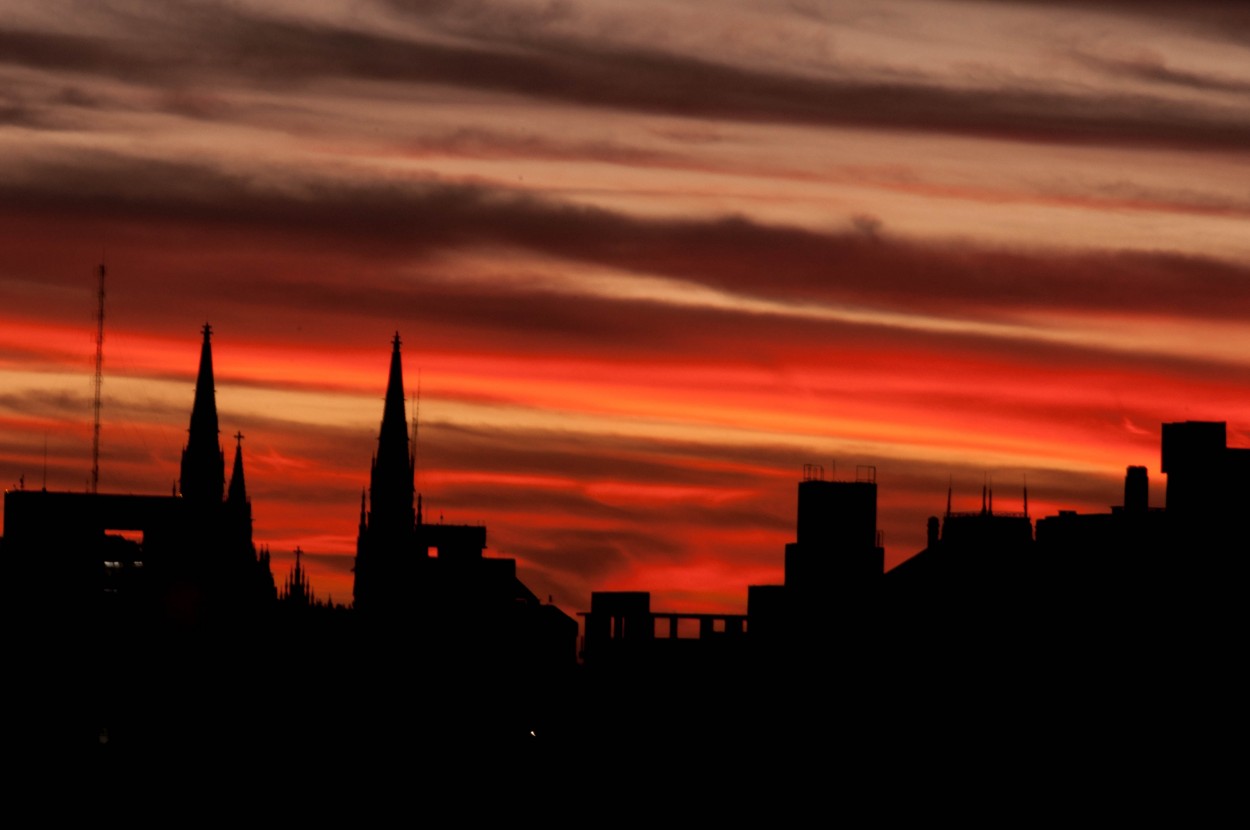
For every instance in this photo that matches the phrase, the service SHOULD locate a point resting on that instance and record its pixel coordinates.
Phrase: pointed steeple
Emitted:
(298, 588)
(391, 483)
(238, 510)
(237, 494)
(203, 462)
(388, 530)
(393, 438)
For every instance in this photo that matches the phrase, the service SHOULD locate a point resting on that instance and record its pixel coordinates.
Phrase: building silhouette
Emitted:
(135, 592)
(430, 583)
(153, 622)
(994, 638)
(187, 557)
(833, 573)
(965, 547)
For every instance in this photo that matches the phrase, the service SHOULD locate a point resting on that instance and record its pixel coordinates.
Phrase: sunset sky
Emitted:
(647, 260)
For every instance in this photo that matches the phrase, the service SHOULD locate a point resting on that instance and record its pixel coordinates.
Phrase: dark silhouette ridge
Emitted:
(990, 639)
(131, 594)
(156, 627)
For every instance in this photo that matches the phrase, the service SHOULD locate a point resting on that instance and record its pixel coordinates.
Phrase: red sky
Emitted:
(647, 260)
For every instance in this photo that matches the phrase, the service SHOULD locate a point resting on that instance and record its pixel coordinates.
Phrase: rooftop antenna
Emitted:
(416, 421)
(99, 384)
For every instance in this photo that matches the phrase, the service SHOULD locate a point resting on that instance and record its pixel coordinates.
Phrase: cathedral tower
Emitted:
(387, 530)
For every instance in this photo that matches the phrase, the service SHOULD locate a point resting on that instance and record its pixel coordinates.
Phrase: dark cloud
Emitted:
(482, 143)
(1217, 19)
(399, 220)
(1150, 66)
(80, 53)
(77, 97)
(529, 323)
(209, 48)
(18, 115)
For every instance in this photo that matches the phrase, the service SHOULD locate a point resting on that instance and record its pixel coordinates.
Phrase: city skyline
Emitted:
(645, 265)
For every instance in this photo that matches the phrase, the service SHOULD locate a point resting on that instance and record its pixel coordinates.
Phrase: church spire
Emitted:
(238, 487)
(393, 438)
(391, 484)
(387, 531)
(203, 462)
(298, 589)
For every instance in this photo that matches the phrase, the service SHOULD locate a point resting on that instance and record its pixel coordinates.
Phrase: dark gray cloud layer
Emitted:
(422, 218)
(214, 46)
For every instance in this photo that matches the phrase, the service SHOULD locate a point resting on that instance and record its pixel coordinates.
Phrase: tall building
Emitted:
(837, 549)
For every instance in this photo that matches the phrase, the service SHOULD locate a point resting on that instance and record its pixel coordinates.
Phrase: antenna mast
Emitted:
(416, 422)
(99, 383)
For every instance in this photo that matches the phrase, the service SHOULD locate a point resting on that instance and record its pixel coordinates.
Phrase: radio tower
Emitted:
(99, 383)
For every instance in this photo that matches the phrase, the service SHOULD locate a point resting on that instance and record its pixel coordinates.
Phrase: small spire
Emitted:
(298, 588)
(238, 488)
